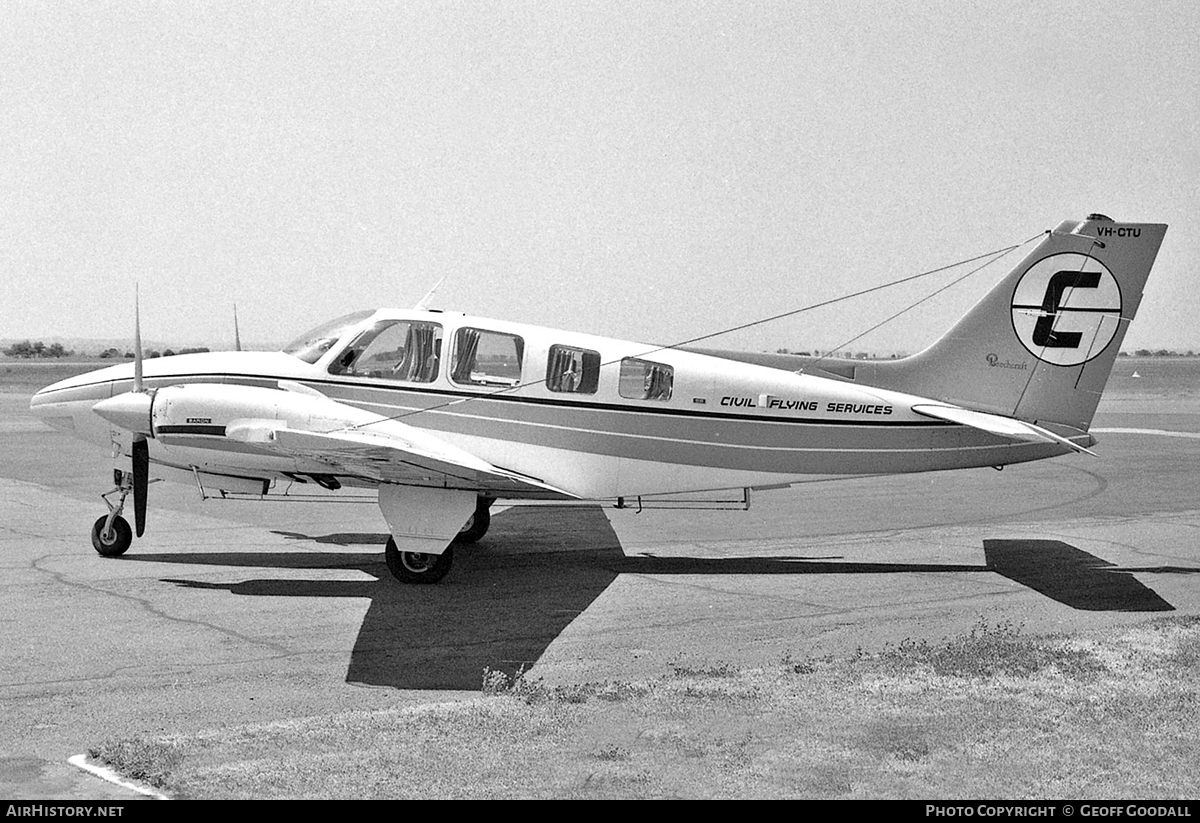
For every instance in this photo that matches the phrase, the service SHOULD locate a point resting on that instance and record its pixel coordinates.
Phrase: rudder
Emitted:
(1040, 345)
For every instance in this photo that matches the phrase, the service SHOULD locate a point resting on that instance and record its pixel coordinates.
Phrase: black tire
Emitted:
(477, 524)
(117, 542)
(416, 567)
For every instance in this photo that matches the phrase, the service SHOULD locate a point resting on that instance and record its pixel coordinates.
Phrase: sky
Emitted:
(645, 170)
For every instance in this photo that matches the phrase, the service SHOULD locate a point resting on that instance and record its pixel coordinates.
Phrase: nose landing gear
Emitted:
(111, 539)
(111, 534)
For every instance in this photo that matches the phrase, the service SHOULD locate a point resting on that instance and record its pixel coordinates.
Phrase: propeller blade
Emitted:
(141, 475)
(137, 340)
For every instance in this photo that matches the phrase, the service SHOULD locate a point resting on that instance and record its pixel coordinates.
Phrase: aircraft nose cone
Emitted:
(38, 403)
(50, 409)
(130, 410)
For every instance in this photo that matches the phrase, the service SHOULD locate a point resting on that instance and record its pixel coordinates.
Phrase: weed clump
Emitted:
(988, 650)
(722, 670)
(497, 683)
(612, 753)
(808, 664)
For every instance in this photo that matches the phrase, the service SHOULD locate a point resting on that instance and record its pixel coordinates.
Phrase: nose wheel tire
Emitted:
(114, 542)
(416, 567)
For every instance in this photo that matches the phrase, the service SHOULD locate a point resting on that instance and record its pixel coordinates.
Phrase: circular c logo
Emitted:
(1066, 308)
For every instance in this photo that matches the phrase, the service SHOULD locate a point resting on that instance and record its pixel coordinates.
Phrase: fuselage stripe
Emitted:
(216, 431)
(650, 410)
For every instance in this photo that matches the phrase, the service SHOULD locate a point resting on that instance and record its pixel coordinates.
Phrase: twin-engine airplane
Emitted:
(441, 414)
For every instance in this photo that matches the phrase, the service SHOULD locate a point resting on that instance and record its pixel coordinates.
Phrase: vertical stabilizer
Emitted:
(1041, 344)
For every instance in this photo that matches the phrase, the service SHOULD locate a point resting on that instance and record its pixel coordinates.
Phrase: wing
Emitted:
(411, 457)
(995, 424)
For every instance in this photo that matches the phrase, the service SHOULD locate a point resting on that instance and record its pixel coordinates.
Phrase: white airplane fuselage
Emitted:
(720, 424)
(441, 414)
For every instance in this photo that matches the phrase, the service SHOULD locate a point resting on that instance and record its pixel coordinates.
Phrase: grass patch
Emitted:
(994, 712)
(989, 650)
(146, 761)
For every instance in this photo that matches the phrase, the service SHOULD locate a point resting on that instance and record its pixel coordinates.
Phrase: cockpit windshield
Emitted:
(311, 345)
(393, 350)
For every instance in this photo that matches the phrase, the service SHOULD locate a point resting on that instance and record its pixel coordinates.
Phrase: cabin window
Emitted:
(487, 358)
(573, 370)
(393, 350)
(645, 380)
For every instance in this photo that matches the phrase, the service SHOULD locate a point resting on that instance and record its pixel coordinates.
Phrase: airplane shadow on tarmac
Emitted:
(501, 610)
(1073, 577)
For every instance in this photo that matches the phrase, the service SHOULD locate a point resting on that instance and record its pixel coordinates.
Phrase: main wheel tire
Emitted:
(116, 542)
(477, 525)
(417, 567)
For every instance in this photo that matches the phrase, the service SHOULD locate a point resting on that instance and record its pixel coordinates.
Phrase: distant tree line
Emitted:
(115, 353)
(39, 349)
(28, 350)
(1160, 353)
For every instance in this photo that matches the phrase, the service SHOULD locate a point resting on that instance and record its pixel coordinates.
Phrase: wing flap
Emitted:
(419, 460)
(995, 424)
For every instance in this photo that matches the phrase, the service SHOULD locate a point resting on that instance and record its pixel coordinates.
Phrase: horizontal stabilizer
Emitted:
(995, 424)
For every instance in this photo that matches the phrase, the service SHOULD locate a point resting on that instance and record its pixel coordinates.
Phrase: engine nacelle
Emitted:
(199, 409)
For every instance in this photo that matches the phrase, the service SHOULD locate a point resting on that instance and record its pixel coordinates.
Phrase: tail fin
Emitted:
(1041, 344)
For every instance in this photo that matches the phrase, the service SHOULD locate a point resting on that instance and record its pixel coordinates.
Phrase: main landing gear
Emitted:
(477, 524)
(417, 567)
(420, 567)
(111, 534)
